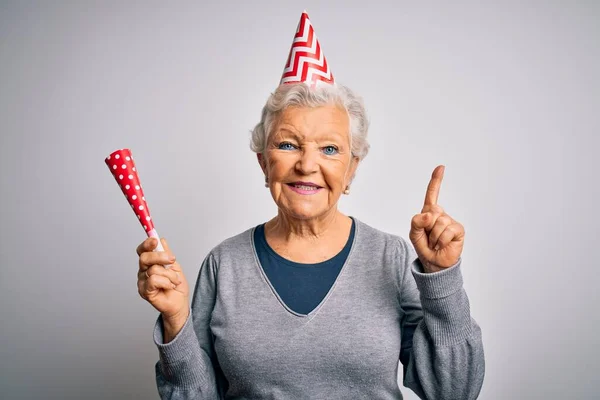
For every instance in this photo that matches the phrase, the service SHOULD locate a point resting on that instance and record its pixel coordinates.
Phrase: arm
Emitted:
(187, 363)
(442, 351)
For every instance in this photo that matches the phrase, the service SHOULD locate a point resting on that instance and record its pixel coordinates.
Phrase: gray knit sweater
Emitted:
(242, 342)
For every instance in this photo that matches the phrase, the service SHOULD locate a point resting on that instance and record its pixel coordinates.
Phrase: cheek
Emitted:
(279, 166)
(335, 174)
(275, 168)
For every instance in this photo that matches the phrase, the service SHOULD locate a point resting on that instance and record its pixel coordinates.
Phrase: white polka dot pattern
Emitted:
(121, 164)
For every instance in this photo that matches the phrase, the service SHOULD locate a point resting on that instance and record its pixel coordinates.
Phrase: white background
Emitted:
(505, 94)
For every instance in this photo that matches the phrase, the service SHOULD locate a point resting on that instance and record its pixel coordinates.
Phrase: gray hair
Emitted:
(301, 95)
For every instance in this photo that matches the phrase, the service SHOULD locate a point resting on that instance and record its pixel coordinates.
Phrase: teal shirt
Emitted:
(300, 286)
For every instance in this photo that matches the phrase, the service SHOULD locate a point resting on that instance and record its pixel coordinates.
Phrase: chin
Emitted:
(305, 213)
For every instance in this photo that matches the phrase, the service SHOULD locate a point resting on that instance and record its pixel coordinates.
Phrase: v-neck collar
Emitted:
(329, 292)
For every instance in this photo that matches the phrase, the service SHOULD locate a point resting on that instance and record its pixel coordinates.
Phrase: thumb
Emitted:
(417, 234)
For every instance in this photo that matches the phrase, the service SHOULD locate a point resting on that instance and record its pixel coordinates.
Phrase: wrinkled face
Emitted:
(308, 162)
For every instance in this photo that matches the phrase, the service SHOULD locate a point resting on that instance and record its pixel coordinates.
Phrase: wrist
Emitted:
(173, 324)
(430, 268)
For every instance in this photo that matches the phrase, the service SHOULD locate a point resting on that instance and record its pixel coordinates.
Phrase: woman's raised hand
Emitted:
(438, 239)
(165, 288)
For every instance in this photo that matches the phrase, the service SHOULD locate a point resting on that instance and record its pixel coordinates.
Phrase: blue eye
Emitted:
(286, 146)
(330, 150)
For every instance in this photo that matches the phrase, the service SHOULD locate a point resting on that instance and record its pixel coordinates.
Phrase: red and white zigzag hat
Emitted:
(306, 62)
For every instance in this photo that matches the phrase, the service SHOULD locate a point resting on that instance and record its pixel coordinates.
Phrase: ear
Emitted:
(262, 162)
(352, 170)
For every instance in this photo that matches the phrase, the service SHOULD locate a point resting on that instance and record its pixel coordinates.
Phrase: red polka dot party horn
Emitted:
(122, 166)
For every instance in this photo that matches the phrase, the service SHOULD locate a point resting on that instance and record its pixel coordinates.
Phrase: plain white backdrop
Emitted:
(505, 94)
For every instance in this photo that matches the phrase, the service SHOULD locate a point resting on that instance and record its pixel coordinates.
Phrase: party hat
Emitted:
(121, 165)
(306, 62)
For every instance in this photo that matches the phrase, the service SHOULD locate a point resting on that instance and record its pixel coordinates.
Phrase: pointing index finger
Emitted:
(433, 189)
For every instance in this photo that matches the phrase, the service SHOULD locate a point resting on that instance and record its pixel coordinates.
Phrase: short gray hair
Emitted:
(301, 95)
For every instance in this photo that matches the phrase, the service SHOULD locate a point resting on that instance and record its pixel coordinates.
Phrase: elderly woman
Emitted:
(314, 304)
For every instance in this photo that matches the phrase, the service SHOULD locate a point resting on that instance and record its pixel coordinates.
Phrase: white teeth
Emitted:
(306, 187)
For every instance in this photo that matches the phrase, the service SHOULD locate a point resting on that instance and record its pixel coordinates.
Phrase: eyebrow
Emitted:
(299, 136)
(294, 133)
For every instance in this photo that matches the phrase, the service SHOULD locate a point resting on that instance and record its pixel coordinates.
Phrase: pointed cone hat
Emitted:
(306, 62)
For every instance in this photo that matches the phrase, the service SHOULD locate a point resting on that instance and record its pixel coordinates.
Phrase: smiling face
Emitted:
(308, 160)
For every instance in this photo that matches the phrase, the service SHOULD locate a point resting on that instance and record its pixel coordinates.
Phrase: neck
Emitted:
(287, 227)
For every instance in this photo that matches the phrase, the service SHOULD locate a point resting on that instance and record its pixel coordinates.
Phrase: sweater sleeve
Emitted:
(187, 366)
(442, 350)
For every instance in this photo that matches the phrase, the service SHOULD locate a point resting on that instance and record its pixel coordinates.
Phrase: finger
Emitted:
(452, 232)
(158, 282)
(434, 209)
(418, 236)
(141, 285)
(429, 219)
(151, 258)
(441, 223)
(147, 245)
(433, 189)
(165, 246)
(420, 221)
(173, 276)
(417, 229)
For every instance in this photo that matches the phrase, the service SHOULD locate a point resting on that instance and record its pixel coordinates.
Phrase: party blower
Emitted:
(122, 166)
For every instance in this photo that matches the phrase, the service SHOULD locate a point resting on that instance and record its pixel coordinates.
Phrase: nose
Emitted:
(308, 162)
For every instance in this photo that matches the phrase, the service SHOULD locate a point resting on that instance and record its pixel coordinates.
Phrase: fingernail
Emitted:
(174, 286)
(437, 247)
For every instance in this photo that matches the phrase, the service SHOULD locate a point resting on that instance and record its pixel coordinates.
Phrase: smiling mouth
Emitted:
(304, 186)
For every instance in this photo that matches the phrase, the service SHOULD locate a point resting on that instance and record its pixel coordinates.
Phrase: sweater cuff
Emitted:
(178, 348)
(445, 304)
(436, 285)
(178, 354)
